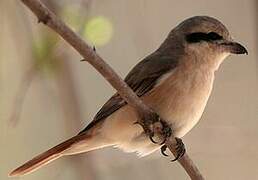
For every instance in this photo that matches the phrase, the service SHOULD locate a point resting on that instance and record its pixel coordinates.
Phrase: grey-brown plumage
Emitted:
(142, 78)
(176, 81)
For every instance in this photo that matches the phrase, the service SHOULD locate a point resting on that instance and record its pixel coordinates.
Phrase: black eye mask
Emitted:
(199, 36)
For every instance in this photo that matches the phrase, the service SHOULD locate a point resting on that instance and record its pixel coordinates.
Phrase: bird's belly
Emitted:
(182, 103)
(184, 115)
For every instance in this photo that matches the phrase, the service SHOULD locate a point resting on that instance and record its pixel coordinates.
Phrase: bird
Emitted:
(175, 80)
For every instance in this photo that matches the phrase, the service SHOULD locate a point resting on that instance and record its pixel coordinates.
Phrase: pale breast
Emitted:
(181, 98)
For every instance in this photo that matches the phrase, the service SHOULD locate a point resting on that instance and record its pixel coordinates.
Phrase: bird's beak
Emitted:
(234, 47)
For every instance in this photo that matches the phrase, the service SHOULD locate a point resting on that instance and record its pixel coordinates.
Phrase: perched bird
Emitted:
(175, 81)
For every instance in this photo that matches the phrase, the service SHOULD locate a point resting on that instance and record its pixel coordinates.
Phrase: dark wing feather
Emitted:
(142, 78)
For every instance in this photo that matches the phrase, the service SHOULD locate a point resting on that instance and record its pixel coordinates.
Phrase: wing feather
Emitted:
(142, 78)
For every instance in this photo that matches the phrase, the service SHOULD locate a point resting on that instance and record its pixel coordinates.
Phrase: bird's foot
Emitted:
(156, 129)
(165, 131)
(159, 126)
(180, 149)
(156, 124)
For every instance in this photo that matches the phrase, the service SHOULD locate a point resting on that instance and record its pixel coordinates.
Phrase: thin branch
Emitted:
(146, 114)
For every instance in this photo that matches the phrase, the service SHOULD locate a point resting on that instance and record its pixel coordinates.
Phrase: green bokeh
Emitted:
(98, 31)
(43, 54)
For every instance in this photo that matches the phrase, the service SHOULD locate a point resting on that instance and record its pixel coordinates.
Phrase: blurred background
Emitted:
(48, 95)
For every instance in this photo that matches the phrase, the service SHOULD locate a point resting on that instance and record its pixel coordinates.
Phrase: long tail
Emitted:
(76, 144)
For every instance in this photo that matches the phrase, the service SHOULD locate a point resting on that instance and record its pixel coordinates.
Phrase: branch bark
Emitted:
(47, 17)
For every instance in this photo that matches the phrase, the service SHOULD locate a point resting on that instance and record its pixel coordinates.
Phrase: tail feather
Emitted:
(46, 157)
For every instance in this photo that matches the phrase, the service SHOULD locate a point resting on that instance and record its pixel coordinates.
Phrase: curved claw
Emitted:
(151, 138)
(166, 132)
(180, 148)
(183, 153)
(177, 157)
(164, 140)
(163, 149)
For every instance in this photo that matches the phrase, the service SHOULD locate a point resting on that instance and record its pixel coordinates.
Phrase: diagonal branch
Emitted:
(146, 114)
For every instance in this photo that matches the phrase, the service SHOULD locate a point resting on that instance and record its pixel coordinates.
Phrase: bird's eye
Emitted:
(199, 36)
(214, 36)
(196, 37)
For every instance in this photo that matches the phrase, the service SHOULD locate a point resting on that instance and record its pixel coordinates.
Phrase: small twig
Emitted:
(146, 114)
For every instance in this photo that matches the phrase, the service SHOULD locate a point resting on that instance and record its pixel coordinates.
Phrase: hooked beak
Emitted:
(234, 48)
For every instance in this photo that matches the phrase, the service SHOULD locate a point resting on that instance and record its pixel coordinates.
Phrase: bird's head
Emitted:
(206, 39)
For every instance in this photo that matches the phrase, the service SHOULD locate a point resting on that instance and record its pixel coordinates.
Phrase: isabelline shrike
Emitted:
(175, 81)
